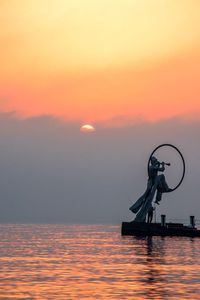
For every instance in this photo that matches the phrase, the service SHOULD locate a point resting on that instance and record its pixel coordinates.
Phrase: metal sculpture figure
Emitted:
(156, 184)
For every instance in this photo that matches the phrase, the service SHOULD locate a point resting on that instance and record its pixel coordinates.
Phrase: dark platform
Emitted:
(151, 229)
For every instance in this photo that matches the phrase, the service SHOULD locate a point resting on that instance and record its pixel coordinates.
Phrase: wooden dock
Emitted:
(158, 229)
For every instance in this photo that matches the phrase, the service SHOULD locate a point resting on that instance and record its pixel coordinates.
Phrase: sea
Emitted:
(59, 261)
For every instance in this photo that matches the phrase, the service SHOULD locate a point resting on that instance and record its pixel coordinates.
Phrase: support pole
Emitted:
(163, 220)
(192, 221)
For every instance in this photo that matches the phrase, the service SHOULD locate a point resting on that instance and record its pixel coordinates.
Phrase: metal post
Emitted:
(192, 221)
(163, 220)
(154, 208)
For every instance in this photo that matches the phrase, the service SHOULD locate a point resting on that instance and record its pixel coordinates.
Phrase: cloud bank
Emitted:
(52, 172)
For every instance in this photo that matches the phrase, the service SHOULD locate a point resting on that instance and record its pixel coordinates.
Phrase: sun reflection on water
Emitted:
(95, 262)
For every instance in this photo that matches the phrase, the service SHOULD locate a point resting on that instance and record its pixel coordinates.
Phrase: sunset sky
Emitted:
(109, 62)
(129, 68)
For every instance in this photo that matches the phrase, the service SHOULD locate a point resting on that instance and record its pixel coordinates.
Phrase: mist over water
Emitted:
(95, 262)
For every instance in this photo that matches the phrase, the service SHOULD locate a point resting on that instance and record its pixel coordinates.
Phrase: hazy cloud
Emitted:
(51, 172)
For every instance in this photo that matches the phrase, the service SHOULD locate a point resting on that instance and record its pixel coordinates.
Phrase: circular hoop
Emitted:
(182, 158)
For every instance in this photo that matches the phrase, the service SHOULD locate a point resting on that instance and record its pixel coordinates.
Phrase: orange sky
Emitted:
(102, 61)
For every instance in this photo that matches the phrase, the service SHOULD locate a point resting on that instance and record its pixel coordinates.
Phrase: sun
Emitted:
(87, 128)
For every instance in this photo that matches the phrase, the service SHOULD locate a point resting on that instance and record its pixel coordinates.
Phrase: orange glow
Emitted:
(87, 128)
(102, 61)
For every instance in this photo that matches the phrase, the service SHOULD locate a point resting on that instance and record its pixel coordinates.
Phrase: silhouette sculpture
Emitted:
(156, 185)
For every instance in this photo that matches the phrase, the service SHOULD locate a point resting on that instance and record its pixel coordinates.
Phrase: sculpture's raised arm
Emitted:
(157, 166)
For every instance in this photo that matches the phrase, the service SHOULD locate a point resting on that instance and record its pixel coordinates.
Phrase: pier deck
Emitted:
(156, 229)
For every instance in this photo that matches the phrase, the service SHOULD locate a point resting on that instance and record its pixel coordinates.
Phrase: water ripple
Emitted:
(95, 262)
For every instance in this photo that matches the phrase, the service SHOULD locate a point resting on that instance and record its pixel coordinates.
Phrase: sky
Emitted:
(130, 68)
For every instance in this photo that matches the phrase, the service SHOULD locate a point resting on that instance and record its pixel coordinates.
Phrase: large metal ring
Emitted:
(182, 158)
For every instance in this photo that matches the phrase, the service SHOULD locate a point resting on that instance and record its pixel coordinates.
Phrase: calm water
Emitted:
(95, 262)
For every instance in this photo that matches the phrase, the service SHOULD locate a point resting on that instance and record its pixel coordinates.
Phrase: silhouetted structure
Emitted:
(143, 205)
(143, 208)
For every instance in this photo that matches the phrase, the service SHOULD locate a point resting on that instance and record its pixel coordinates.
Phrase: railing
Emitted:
(179, 220)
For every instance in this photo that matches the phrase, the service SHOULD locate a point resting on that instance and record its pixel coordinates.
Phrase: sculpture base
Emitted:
(156, 229)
